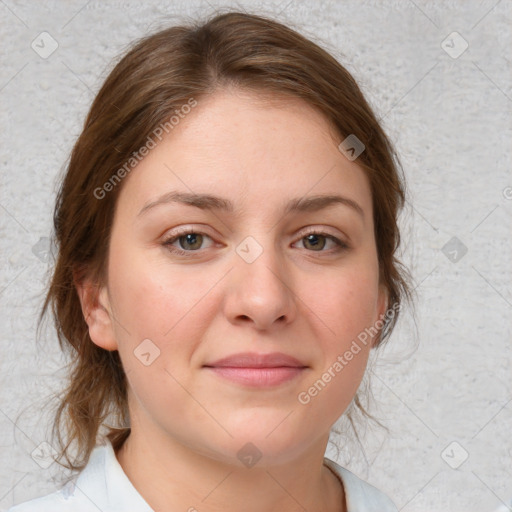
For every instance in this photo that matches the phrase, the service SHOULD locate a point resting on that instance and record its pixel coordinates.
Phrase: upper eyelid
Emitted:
(341, 241)
(303, 231)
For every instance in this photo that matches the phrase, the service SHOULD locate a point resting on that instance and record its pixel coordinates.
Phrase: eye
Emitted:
(316, 241)
(189, 241)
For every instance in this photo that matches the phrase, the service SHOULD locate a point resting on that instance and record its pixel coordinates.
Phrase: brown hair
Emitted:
(158, 75)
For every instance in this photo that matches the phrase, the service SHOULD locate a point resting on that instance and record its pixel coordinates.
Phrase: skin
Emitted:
(305, 300)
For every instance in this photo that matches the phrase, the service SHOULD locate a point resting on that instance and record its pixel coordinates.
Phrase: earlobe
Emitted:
(96, 310)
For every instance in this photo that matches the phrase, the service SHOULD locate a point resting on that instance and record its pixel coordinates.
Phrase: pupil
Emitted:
(311, 240)
(191, 238)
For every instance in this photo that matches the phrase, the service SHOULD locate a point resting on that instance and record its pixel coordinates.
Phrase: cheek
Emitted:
(157, 332)
(170, 307)
(145, 306)
(345, 302)
(347, 308)
(152, 297)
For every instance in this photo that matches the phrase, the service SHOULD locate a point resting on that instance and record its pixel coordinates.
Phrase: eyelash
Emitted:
(341, 246)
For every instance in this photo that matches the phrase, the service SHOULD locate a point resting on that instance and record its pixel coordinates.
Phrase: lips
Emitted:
(253, 360)
(257, 370)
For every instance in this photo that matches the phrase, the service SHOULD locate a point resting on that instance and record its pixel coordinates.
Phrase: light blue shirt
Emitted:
(103, 486)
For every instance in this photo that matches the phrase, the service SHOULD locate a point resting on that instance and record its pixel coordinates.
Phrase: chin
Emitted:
(264, 442)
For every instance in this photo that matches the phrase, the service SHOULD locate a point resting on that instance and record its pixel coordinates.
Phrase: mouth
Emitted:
(258, 370)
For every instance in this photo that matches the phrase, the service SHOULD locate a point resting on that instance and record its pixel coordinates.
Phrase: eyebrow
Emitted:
(211, 202)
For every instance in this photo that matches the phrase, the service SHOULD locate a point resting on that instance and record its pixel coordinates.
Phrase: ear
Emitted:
(97, 313)
(382, 307)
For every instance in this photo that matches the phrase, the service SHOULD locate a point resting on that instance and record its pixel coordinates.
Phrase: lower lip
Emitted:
(258, 377)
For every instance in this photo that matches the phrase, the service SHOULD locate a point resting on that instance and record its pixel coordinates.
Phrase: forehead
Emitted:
(256, 113)
(249, 146)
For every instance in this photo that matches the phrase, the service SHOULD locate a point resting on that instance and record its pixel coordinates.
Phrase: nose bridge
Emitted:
(261, 291)
(260, 262)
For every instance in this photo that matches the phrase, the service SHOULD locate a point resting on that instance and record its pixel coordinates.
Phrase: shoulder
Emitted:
(360, 495)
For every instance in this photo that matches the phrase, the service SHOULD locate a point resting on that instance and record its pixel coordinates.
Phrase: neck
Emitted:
(170, 476)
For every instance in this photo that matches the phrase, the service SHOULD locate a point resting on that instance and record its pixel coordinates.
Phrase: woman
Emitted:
(227, 235)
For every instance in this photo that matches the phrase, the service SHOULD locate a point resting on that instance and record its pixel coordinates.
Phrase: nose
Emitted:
(260, 291)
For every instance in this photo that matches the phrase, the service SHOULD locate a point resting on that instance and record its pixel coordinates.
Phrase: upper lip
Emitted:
(254, 360)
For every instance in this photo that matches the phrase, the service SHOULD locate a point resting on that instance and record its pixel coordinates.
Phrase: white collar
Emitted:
(106, 485)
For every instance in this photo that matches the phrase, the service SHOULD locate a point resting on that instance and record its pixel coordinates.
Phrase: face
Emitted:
(226, 310)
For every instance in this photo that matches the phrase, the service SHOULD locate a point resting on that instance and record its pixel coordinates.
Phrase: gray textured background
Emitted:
(451, 121)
